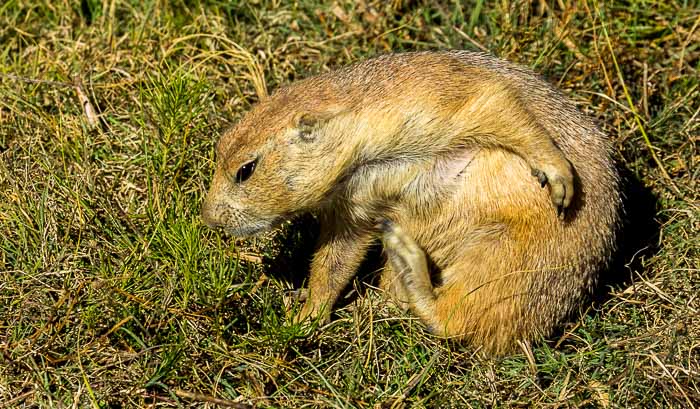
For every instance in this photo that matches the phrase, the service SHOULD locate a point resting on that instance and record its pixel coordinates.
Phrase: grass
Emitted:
(113, 294)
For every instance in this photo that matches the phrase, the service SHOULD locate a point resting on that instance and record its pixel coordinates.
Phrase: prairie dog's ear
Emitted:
(307, 119)
(307, 124)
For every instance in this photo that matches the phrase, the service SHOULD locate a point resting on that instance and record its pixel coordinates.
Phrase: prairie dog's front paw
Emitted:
(312, 311)
(560, 178)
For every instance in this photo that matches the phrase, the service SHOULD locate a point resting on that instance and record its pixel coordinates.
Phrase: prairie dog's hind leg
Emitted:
(487, 317)
(390, 282)
(410, 267)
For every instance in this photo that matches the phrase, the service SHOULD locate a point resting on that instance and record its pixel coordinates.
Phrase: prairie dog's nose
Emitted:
(209, 216)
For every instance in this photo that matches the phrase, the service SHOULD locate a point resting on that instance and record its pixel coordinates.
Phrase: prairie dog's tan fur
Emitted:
(450, 149)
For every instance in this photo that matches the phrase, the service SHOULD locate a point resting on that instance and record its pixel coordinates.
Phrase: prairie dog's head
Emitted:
(274, 164)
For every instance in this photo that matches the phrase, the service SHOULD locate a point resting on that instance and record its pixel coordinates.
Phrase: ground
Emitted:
(113, 294)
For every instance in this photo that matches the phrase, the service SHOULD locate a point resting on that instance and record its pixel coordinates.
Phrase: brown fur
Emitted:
(444, 145)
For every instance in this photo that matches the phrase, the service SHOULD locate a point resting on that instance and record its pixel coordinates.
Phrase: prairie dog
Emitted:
(496, 200)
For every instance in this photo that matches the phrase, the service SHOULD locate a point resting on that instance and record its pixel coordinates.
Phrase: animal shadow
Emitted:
(637, 239)
(297, 244)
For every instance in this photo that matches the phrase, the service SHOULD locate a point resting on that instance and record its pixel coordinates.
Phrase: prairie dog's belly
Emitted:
(495, 199)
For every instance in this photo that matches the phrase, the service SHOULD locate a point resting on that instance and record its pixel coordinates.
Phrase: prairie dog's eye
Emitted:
(246, 171)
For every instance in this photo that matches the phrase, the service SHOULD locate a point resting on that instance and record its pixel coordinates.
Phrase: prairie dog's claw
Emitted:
(299, 295)
(383, 224)
(541, 177)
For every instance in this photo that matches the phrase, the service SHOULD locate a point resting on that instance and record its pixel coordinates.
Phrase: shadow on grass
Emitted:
(638, 237)
(298, 245)
(637, 240)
